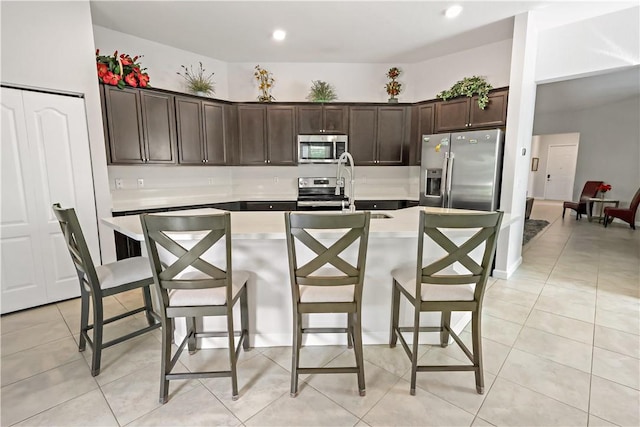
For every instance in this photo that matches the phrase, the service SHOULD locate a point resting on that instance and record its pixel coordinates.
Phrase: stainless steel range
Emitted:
(319, 194)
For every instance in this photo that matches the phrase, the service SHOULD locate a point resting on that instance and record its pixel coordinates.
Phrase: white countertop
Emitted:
(270, 225)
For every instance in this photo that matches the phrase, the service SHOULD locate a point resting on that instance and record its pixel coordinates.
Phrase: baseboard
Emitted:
(505, 274)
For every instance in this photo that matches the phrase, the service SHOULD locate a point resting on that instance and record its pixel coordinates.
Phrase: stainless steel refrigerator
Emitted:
(462, 170)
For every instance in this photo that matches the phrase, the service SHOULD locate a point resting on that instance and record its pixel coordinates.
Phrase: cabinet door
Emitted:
(124, 122)
(252, 128)
(452, 115)
(362, 134)
(189, 123)
(158, 119)
(390, 136)
(310, 119)
(336, 119)
(422, 124)
(281, 135)
(494, 114)
(215, 152)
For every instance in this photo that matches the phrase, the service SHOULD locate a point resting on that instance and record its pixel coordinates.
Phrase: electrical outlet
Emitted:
(210, 181)
(119, 184)
(276, 179)
(140, 183)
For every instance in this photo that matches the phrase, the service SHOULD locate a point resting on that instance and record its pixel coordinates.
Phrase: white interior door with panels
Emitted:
(561, 172)
(45, 159)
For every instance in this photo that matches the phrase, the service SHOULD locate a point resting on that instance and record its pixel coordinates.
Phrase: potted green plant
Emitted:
(321, 92)
(469, 86)
(198, 81)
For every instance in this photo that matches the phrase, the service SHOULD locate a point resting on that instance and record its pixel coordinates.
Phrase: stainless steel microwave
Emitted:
(321, 148)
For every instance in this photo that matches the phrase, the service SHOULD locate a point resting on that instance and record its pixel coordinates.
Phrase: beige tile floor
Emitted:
(561, 347)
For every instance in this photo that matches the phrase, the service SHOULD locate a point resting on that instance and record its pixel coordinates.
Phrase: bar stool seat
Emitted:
(207, 296)
(124, 271)
(405, 276)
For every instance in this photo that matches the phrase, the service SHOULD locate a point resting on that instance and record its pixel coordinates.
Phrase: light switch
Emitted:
(119, 184)
(140, 183)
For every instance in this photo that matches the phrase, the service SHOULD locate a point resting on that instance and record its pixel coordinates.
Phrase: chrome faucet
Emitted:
(343, 158)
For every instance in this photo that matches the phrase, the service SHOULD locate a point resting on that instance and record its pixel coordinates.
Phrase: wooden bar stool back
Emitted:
(191, 287)
(438, 287)
(99, 282)
(327, 283)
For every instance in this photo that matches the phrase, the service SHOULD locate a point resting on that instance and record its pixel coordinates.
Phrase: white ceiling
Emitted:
(359, 32)
(328, 31)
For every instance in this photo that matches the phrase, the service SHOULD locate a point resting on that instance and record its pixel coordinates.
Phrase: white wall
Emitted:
(162, 61)
(589, 47)
(492, 61)
(50, 45)
(609, 144)
(352, 82)
(517, 148)
(540, 149)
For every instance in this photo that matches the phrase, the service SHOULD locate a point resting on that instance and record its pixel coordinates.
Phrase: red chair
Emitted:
(625, 214)
(590, 190)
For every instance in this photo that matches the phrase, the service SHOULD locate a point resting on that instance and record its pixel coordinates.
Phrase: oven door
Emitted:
(321, 205)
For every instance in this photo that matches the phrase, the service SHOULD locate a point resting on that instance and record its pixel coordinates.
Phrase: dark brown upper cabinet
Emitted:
(378, 135)
(421, 124)
(464, 113)
(141, 126)
(201, 129)
(267, 134)
(313, 119)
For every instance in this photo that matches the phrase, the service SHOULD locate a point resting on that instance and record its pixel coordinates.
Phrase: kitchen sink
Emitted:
(377, 215)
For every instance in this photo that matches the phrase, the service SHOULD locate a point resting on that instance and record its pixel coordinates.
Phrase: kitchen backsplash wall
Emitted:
(247, 183)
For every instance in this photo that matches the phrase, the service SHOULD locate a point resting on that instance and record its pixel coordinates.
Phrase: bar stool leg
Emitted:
(84, 318)
(395, 313)
(98, 318)
(357, 337)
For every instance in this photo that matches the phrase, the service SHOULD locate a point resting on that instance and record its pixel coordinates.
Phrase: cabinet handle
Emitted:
(268, 161)
(265, 160)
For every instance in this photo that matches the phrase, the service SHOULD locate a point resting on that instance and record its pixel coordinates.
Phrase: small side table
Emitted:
(593, 200)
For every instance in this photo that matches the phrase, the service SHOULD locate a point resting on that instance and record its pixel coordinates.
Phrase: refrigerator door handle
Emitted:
(443, 181)
(449, 176)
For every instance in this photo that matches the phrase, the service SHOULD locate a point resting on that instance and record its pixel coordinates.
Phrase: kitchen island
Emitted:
(259, 246)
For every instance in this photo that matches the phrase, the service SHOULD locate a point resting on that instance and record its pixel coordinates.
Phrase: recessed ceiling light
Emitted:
(453, 11)
(279, 35)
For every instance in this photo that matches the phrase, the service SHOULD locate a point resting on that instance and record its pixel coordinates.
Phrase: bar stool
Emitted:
(319, 289)
(99, 282)
(436, 286)
(191, 287)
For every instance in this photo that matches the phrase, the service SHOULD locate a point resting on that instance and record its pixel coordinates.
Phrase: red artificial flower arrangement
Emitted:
(121, 70)
(603, 188)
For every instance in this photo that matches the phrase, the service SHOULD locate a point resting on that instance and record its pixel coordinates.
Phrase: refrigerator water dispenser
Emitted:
(433, 182)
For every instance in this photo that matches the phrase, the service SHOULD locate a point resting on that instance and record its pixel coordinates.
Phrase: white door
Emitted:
(23, 283)
(56, 167)
(561, 171)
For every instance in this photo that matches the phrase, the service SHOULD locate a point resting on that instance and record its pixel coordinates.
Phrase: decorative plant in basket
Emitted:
(198, 81)
(469, 86)
(121, 70)
(321, 92)
(394, 87)
(265, 83)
